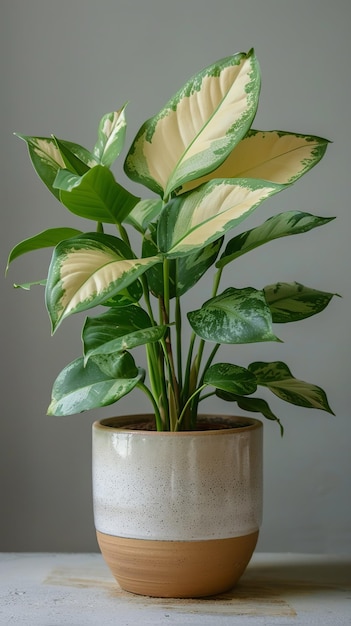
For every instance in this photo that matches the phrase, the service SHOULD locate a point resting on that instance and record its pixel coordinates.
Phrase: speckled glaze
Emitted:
(200, 486)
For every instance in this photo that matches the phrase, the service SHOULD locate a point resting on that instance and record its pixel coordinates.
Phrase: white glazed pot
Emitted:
(177, 514)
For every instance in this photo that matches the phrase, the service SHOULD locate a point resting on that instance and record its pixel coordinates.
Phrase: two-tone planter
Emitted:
(177, 514)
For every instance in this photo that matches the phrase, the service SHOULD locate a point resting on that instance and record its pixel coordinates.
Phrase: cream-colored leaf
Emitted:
(46, 149)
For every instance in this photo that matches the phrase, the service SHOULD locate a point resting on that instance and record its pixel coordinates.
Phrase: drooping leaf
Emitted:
(253, 405)
(111, 136)
(198, 127)
(231, 378)
(78, 388)
(95, 195)
(47, 159)
(276, 156)
(291, 302)
(278, 378)
(46, 239)
(281, 225)
(88, 270)
(195, 220)
(235, 316)
(119, 329)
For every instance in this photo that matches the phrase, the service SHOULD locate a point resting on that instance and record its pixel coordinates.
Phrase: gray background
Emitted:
(63, 65)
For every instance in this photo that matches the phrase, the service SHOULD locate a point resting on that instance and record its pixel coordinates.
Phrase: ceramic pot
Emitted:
(177, 514)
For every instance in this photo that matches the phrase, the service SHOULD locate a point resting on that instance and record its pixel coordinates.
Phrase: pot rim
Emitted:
(120, 424)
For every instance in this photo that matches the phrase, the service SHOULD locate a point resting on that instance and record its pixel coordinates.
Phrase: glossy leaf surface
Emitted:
(291, 302)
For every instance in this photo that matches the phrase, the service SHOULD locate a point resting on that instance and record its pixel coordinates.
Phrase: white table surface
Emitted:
(78, 590)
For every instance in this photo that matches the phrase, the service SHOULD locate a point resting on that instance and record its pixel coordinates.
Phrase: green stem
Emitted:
(124, 234)
(193, 395)
(146, 390)
(178, 325)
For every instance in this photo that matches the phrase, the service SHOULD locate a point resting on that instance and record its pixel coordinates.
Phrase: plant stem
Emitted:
(158, 418)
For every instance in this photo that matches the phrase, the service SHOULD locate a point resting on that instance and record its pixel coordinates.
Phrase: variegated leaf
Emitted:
(88, 270)
(111, 135)
(235, 316)
(254, 405)
(144, 213)
(46, 239)
(95, 195)
(81, 388)
(198, 127)
(281, 225)
(291, 302)
(47, 158)
(277, 156)
(193, 221)
(230, 378)
(278, 378)
(119, 329)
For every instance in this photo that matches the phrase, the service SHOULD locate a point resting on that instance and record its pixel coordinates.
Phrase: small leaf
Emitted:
(95, 195)
(198, 127)
(88, 270)
(144, 212)
(111, 136)
(291, 302)
(281, 225)
(119, 329)
(278, 378)
(46, 239)
(254, 405)
(235, 316)
(78, 388)
(72, 162)
(231, 378)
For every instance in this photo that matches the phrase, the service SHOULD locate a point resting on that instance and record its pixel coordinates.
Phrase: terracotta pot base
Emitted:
(177, 569)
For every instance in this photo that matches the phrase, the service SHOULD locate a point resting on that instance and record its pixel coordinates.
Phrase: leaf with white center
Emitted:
(144, 212)
(281, 225)
(88, 270)
(119, 329)
(291, 302)
(278, 378)
(198, 127)
(111, 135)
(255, 405)
(277, 156)
(95, 195)
(235, 316)
(190, 222)
(46, 239)
(78, 388)
(230, 378)
(47, 159)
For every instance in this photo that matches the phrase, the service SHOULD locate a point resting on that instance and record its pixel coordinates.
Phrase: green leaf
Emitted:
(72, 162)
(144, 213)
(95, 195)
(291, 302)
(119, 329)
(47, 159)
(196, 219)
(111, 136)
(126, 297)
(278, 378)
(116, 365)
(87, 270)
(281, 225)
(254, 405)
(198, 127)
(230, 378)
(235, 316)
(78, 388)
(28, 286)
(46, 239)
(277, 156)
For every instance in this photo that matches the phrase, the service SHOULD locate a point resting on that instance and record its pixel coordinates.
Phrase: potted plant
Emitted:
(174, 486)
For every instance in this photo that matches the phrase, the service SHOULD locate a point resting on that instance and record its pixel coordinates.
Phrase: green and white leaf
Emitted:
(198, 127)
(230, 378)
(28, 286)
(47, 159)
(291, 302)
(193, 221)
(144, 212)
(46, 239)
(253, 405)
(281, 225)
(276, 156)
(78, 388)
(111, 136)
(277, 377)
(72, 162)
(119, 329)
(96, 195)
(235, 316)
(88, 270)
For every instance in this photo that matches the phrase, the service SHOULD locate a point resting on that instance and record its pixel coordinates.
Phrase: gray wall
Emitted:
(66, 63)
